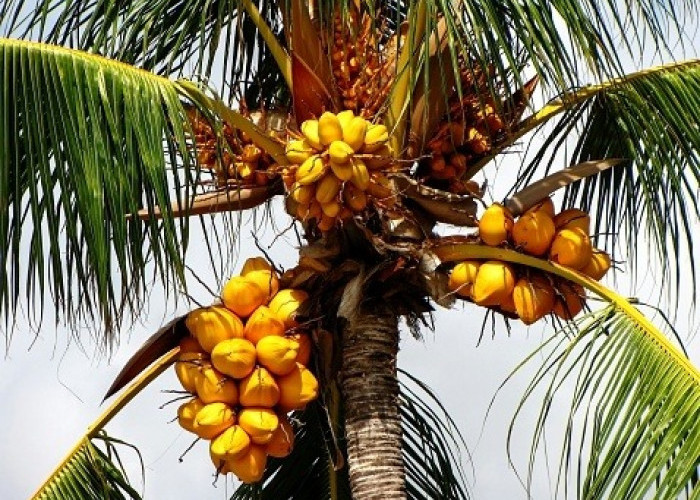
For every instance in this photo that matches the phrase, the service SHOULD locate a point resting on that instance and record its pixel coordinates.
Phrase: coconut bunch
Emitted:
(337, 167)
(246, 365)
(240, 161)
(562, 238)
(361, 73)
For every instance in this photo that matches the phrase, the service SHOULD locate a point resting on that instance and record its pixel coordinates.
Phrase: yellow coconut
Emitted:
(571, 248)
(298, 151)
(297, 389)
(329, 128)
(250, 466)
(213, 419)
(190, 344)
(493, 284)
(259, 423)
(255, 264)
(266, 280)
(462, 277)
(495, 225)
(303, 341)
(234, 357)
(282, 440)
(571, 218)
(284, 305)
(570, 300)
(508, 306)
(187, 412)
(544, 205)
(533, 298)
(259, 389)
(243, 296)
(277, 354)
(263, 323)
(219, 464)
(232, 443)
(213, 386)
(211, 325)
(598, 265)
(187, 369)
(310, 130)
(533, 232)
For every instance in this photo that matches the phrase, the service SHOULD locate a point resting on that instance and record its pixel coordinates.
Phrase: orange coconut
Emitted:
(495, 225)
(570, 300)
(250, 466)
(187, 412)
(263, 323)
(571, 248)
(544, 205)
(533, 298)
(187, 369)
(213, 419)
(211, 325)
(232, 443)
(213, 387)
(297, 389)
(304, 347)
(259, 389)
(284, 305)
(259, 423)
(190, 344)
(234, 357)
(282, 440)
(243, 296)
(533, 232)
(598, 265)
(571, 218)
(463, 276)
(494, 283)
(277, 354)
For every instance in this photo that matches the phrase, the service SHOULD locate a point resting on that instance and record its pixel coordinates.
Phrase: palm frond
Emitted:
(636, 400)
(650, 120)
(85, 142)
(90, 474)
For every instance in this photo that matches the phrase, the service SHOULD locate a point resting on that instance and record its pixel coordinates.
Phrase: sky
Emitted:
(51, 388)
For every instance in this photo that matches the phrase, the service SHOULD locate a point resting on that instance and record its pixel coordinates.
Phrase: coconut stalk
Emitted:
(371, 391)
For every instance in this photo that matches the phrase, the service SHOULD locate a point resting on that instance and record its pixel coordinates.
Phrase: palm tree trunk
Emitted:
(371, 390)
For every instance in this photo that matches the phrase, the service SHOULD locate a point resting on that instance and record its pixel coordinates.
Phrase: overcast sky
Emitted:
(51, 392)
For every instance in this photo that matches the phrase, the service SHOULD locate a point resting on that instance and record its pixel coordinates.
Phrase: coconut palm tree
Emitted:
(109, 153)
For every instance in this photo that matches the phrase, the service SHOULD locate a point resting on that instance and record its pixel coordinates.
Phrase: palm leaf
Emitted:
(86, 141)
(636, 397)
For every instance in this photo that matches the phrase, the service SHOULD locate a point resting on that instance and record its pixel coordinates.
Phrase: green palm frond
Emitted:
(90, 474)
(84, 142)
(634, 420)
(430, 447)
(650, 120)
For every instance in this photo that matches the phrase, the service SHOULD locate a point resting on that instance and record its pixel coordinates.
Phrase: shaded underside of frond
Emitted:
(633, 429)
(90, 474)
(83, 142)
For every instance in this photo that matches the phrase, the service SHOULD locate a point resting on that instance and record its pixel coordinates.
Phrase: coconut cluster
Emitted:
(246, 365)
(336, 166)
(240, 159)
(562, 238)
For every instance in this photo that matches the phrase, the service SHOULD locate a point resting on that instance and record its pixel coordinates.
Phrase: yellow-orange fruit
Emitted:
(262, 323)
(277, 354)
(344, 117)
(310, 130)
(255, 264)
(187, 369)
(533, 232)
(462, 277)
(213, 387)
(331, 209)
(311, 170)
(211, 325)
(570, 300)
(297, 388)
(375, 137)
(329, 128)
(187, 412)
(327, 188)
(232, 443)
(598, 265)
(259, 389)
(249, 467)
(354, 132)
(493, 284)
(571, 218)
(304, 347)
(282, 440)
(213, 419)
(360, 174)
(219, 464)
(190, 344)
(266, 280)
(303, 194)
(355, 198)
(298, 151)
(495, 225)
(340, 152)
(242, 296)
(311, 211)
(284, 305)
(234, 357)
(508, 305)
(533, 298)
(326, 223)
(259, 423)
(571, 248)
(343, 171)
(544, 205)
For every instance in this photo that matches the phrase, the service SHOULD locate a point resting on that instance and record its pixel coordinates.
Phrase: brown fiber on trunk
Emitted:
(370, 389)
